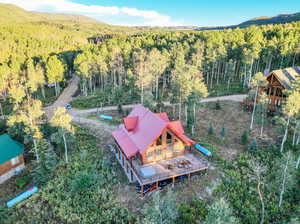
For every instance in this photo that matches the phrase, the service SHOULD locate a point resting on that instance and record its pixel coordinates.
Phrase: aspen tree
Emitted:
(257, 81)
(55, 72)
(62, 121)
(291, 108)
(30, 114)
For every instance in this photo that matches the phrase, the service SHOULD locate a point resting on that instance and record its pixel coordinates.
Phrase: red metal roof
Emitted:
(130, 122)
(125, 142)
(176, 126)
(147, 127)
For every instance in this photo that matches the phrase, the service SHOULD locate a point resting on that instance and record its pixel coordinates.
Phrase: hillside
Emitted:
(13, 14)
(258, 21)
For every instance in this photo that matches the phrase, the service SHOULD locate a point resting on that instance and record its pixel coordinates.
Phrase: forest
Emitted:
(151, 67)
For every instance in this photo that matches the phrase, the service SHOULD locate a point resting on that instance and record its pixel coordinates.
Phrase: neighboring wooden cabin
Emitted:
(150, 142)
(279, 81)
(11, 157)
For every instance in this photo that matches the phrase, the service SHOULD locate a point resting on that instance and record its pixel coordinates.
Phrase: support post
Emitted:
(173, 181)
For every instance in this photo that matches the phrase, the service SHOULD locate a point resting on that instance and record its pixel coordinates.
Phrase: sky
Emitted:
(164, 12)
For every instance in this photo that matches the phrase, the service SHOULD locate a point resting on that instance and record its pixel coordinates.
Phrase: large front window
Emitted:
(150, 156)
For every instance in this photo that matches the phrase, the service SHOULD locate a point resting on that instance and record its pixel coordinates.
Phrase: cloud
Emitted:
(113, 14)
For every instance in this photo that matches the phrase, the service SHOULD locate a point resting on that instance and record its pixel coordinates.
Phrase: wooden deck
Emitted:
(274, 102)
(171, 168)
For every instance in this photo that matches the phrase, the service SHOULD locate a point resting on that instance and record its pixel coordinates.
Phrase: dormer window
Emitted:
(169, 138)
(159, 140)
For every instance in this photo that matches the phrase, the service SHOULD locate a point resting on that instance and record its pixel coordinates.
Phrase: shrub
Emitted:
(161, 209)
(253, 146)
(44, 169)
(192, 212)
(211, 129)
(218, 105)
(120, 109)
(22, 181)
(244, 138)
(223, 132)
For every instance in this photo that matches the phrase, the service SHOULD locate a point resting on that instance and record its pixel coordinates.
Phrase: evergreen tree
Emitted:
(253, 146)
(211, 130)
(223, 132)
(244, 138)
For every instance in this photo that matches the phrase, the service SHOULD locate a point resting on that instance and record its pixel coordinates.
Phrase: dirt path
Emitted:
(65, 97)
(98, 127)
(235, 98)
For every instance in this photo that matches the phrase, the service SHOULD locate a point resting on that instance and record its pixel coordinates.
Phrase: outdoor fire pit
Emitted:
(184, 164)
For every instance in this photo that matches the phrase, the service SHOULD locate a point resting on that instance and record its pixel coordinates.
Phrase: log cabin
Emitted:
(151, 148)
(279, 81)
(11, 157)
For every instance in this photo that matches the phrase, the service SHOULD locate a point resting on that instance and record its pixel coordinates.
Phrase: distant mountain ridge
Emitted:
(13, 14)
(258, 21)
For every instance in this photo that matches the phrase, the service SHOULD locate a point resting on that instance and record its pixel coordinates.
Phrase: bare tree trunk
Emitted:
(43, 91)
(186, 114)
(36, 150)
(156, 92)
(1, 110)
(262, 125)
(66, 147)
(284, 180)
(262, 203)
(285, 134)
(179, 111)
(295, 132)
(254, 108)
(250, 72)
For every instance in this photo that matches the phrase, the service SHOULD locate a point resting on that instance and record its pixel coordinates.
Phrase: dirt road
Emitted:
(235, 98)
(65, 97)
(79, 116)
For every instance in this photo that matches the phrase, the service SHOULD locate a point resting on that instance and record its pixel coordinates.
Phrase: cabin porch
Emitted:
(170, 168)
(164, 170)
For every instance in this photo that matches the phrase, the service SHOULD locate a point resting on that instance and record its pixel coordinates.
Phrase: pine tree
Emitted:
(211, 130)
(253, 146)
(223, 132)
(244, 138)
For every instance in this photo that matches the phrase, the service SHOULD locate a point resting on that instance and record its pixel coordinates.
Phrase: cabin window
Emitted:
(159, 140)
(158, 152)
(14, 161)
(149, 155)
(169, 138)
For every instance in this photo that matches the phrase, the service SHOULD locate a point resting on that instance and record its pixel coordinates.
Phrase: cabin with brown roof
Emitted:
(279, 81)
(152, 149)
